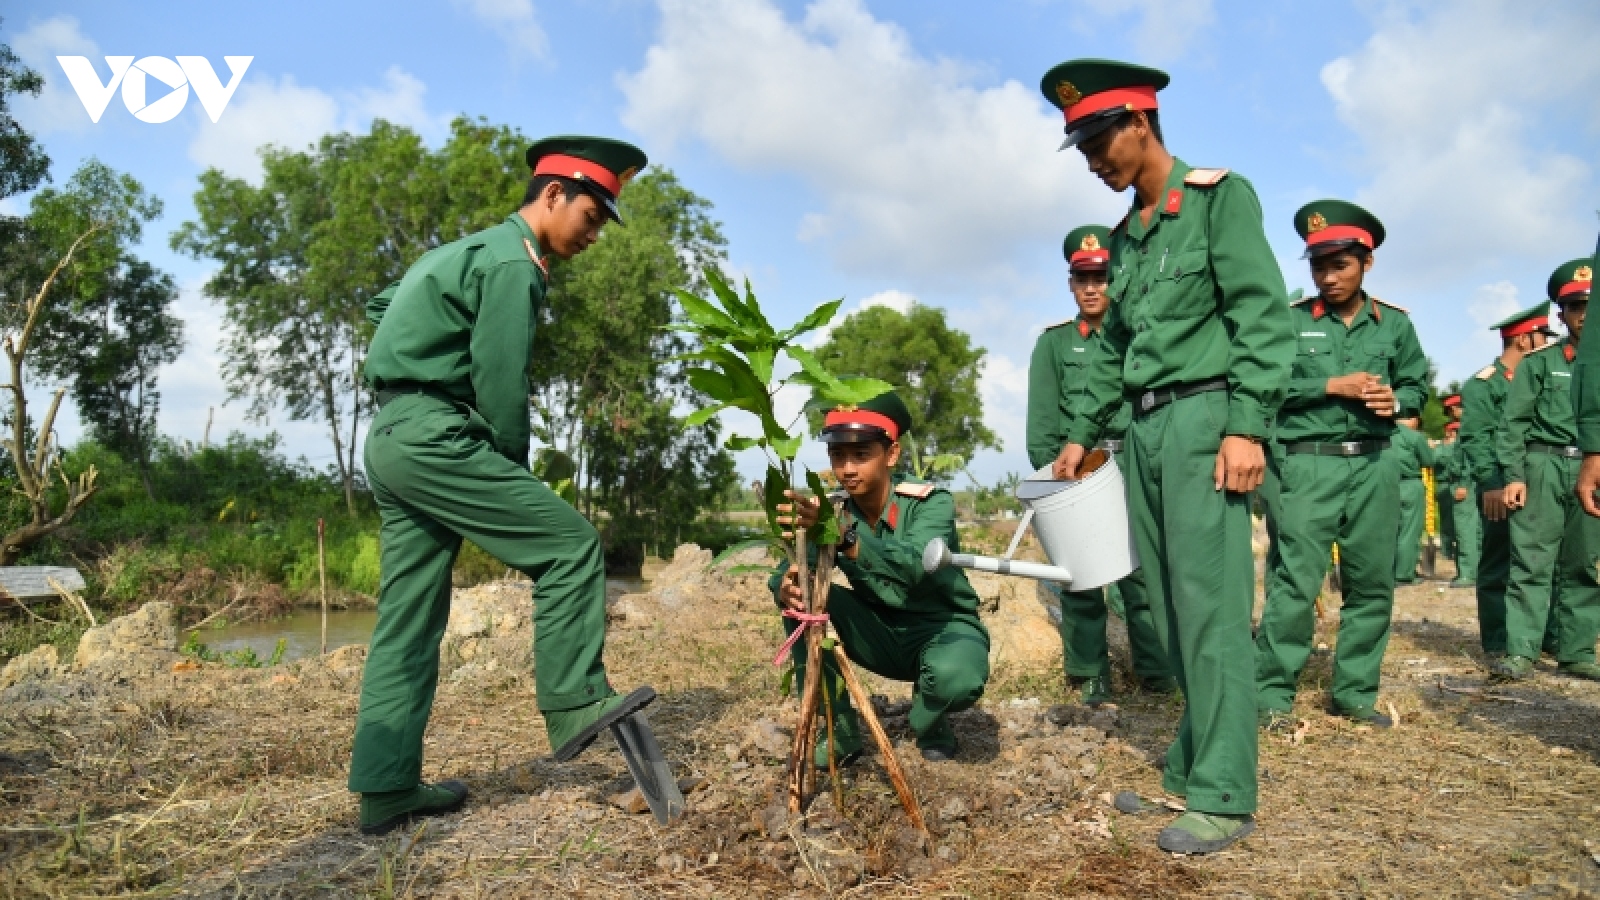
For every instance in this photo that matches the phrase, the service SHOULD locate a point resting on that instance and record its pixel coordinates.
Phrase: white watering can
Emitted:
(1082, 526)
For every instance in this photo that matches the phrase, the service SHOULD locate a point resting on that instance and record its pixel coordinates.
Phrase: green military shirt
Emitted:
(1410, 451)
(887, 571)
(1483, 399)
(461, 322)
(1055, 381)
(1538, 407)
(1379, 340)
(1586, 392)
(1195, 295)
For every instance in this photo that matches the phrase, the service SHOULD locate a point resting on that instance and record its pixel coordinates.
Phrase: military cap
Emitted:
(1328, 226)
(1451, 401)
(1534, 318)
(1094, 93)
(602, 166)
(884, 417)
(1088, 248)
(1571, 280)
(1452, 426)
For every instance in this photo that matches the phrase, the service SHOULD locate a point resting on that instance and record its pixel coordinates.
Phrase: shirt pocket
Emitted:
(1377, 358)
(1555, 398)
(1181, 288)
(1314, 354)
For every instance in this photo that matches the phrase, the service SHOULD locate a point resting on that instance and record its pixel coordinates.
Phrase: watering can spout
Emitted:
(937, 556)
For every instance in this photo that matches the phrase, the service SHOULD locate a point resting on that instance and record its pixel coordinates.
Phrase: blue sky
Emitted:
(898, 152)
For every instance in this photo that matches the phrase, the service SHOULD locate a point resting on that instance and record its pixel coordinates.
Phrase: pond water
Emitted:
(302, 630)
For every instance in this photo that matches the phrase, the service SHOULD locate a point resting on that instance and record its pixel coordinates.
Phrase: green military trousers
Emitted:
(1313, 502)
(1444, 502)
(1494, 565)
(437, 479)
(1085, 653)
(1467, 519)
(1413, 520)
(1552, 597)
(1194, 549)
(945, 655)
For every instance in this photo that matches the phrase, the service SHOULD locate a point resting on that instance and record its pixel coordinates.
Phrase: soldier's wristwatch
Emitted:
(848, 541)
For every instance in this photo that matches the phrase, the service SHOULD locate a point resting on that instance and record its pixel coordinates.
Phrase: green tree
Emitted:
(301, 254)
(934, 367)
(23, 163)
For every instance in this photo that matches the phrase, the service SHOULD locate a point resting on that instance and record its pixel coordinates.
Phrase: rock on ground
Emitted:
(38, 664)
(492, 621)
(141, 643)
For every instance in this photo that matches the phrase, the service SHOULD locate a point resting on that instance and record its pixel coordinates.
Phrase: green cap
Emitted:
(601, 165)
(1571, 281)
(1534, 318)
(1094, 93)
(1088, 248)
(884, 417)
(1328, 226)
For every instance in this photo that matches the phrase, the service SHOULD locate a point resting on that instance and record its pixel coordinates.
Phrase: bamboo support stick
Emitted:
(322, 581)
(891, 763)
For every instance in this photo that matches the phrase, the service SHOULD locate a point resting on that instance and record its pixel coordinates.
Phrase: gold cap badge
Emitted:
(846, 408)
(1090, 242)
(1315, 223)
(1068, 93)
(1583, 274)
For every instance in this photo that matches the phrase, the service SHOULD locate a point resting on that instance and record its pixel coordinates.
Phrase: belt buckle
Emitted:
(1147, 401)
(1350, 448)
(1570, 452)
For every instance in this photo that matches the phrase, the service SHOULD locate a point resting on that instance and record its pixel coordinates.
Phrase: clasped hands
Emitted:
(1366, 387)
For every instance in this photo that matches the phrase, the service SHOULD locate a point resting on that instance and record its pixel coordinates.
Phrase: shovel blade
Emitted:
(650, 769)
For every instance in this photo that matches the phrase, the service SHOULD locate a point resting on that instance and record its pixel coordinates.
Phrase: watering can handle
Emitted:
(1022, 528)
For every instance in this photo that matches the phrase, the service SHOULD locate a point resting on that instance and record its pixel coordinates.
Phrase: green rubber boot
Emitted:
(847, 734)
(383, 812)
(1198, 833)
(938, 743)
(1511, 668)
(1095, 690)
(571, 731)
(1585, 670)
(1158, 684)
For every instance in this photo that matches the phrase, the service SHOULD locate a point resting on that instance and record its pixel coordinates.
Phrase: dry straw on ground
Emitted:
(227, 783)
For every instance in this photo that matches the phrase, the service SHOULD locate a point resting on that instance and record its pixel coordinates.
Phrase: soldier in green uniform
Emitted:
(1483, 400)
(1358, 364)
(1199, 335)
(1410, 453)
(895, 620)
(447, 458)
(1055, 376)
(1586, 407)
(1443, 453)
(1553, 544)
(1456, 483)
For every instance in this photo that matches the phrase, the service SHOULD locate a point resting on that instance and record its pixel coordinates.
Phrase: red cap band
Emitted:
(577, 167)
(1452, 426)
(862, 417)
(1083, 259)
(1525, 326)
(1452, 400)
(1340, 233)
(1127, 98)
(1574, 287)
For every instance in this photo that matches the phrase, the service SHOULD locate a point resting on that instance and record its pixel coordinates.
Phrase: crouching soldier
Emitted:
(894, 620)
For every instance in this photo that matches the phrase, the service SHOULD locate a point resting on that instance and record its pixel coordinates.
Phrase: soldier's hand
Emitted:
(803, 511)
(1461, 494)
(1379, 398)
(789, 591)
(1351, 386)
(1494, 505)
(1066, 465)
(1241, 465)
(1515, 496)
(1589, 482)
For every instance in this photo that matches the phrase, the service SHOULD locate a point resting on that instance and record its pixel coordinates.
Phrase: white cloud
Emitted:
(899, 301)
(515, 21)
(1450, 107)
(923, 172)
(1166, 28)
(285, 113)
(56, 108)
(1004, 386)
(1490, 303)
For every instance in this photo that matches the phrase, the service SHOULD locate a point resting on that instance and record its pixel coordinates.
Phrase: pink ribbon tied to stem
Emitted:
(806, 620)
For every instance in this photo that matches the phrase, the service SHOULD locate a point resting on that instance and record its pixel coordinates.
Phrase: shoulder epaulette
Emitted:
(1392, 305)
(1204, 177)
(919, 491)
(1485, 373)
(1303, 298)
(1548, 346)
(1055, 325)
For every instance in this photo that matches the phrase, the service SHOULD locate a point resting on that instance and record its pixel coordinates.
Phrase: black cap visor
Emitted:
(1328, 248)
(1088, 268)
(854, 433)
(603, 197)
(1580, 298)
(1091, 125)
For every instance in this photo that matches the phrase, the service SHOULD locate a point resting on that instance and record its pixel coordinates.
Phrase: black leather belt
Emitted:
(1110, 446)
(1556, 450)
(1150, 401)
(1340, 448)
(389, 395)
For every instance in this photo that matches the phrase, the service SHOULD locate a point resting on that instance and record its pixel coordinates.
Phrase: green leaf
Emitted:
(786, 449)
(738, 442)
(740, 548)
(761, 362)
(753, 325)
(706, 316)
(860, 390)
(772, 492)
(702, 416)
(818, 317)
(786, 683)
(715, 385)
(826, 531)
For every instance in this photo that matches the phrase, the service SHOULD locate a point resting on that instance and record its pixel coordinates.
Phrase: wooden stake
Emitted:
(891, 763)
(322, 581)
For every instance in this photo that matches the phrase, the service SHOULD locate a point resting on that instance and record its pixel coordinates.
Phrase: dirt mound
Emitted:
(692, 586)
(491, 622)
(1018, 614)
(140, 644)
(39, 664)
